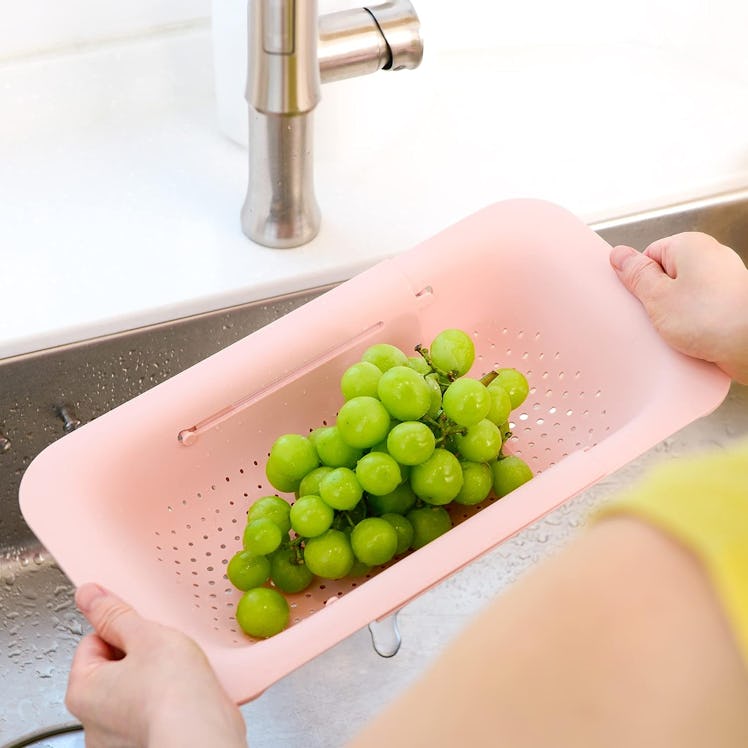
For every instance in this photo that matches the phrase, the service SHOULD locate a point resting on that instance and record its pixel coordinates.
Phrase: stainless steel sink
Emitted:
(46, 393)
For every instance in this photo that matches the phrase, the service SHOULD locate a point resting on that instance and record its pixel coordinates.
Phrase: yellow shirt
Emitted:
(703, 503)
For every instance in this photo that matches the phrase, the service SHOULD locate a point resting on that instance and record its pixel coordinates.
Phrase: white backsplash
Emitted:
(32, 26)
(706, 33)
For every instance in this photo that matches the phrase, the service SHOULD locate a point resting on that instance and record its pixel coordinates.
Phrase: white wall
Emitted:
(707, 33)
(32, 26)
(658, 22)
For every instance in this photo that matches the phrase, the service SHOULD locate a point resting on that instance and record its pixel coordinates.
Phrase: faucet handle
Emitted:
(361, 41)
(401, 29)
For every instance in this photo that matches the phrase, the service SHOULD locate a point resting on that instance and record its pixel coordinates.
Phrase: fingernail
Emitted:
(86, 595)
(620, 255)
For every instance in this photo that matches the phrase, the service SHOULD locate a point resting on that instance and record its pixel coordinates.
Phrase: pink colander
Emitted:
(150, 499)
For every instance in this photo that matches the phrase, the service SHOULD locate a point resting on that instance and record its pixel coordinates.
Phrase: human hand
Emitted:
(695, 291)
(134, 683)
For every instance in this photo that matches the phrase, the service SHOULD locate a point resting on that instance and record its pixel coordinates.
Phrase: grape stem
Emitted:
(295, 544)
(444, 428)
(458, 430)
(487, 378)
(446, 377)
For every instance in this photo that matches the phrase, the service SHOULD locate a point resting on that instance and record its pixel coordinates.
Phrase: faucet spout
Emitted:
(292, 50)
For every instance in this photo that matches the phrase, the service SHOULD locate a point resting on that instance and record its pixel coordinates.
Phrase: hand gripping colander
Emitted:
(150, 499)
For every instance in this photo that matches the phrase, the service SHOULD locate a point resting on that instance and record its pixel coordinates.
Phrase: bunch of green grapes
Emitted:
(413, 435)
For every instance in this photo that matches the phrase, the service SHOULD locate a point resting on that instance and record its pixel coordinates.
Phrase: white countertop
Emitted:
(120, 198)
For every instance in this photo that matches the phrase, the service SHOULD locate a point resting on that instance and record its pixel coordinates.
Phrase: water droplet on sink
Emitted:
(75, 627)
(385, 636)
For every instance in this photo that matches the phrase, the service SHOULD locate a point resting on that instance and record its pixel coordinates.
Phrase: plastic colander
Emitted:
(150, 499)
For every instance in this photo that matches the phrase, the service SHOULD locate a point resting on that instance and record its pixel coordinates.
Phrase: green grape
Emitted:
(278, 479)
(359, 569)
(246, 570)
(329, 555)
(289, 573)
(438, 480)
(515, 383)
(381, 446)
(399, 501)
(261, 536)
(432, 380)
(310, 516)
(262, 612)
(332, 449)
(294, 455)
(360, 379)
(466, 401)
(419, 364)
(355, 515)
(501, 404)
(403, 528)
(310, 482)
(384, 356)
(378, 473)
(314, 433)
(452, 351)
(405, 472)
(479, 443)
(404, 393)
(477, 483)
(429, 522)
(374, 541)
(509, 473)
(363, 421)
(411, 442)
(340, 489)
(273, 508)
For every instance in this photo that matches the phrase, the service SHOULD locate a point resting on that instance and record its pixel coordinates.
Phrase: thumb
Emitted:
(113, 620)
(641, 275)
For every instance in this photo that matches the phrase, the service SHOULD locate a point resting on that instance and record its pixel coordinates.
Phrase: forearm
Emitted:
(736, 362)
(187, 727)
(618, 641)
(721, 336)
(192, 716)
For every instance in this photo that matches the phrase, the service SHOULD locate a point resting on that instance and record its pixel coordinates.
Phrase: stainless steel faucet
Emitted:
(292, 50)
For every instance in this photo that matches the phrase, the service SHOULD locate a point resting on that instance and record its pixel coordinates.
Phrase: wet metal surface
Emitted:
(46, 394)
(323, 703)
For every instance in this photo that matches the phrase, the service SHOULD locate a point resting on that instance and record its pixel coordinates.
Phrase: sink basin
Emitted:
(47, 393)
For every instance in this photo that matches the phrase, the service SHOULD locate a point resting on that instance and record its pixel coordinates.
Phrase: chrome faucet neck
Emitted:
(292, 50)
(283, 75)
